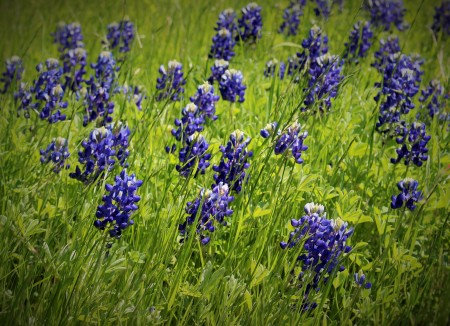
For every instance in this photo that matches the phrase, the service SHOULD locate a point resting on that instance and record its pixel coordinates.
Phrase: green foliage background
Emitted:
(53, 265)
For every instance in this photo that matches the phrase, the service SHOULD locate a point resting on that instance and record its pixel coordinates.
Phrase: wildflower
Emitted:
(271, 67)
(360, 280)
(101, 150)
(118, 205)
(408, 194)
(282, 70)
(24, 97)
(291, 19)
(322, 243)
(14, 70)
(385, 13)
(387, 48)
(68, 36)
(191, 122)
(323, 8)
(57, 152)
(231, 86)
(291, 139)
(324, 79)
(209, 208)
(250, 23)
(223, 45)
(234, 162)
(434, 98)
(97, 104)
(170, 84)
(359, 41)
(414, 141)
(217, 70)
(105, 71)
(74, 67)
(194, 153)
(441, 19)
(120, 35)
(205, 100)
(227, 20)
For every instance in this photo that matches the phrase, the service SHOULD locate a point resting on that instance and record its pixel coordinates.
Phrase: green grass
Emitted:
(54, 268)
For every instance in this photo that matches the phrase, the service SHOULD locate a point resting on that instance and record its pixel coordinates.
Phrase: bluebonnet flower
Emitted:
(314, 46)
(206, 100)
(191, 122)
(250, 23)
(192, 154)
(360, 280)
(290, 139)
(387, 48)
(101, 150)
(414, 141)
(49, 92)
(269, 130)
(105, 71)
(441, 19)
(57, 152)
(68, 36)
(120, 35)
(322, 242)
(170, 84)
(209, 208)
(282, 70)
(359, 41)
(217, 70)
(135, 94)
(324, 79)
(400, 84)
(118, 205)
(323, 8)
(227, 20)
(385, 13)
(434, 98)
(74, 67)
(223, 45)
(234, 161)
(230, 86)
(14, 70)
(24, 97)
(97, 104)
(409, 195)
(291, 19)
(271, 67)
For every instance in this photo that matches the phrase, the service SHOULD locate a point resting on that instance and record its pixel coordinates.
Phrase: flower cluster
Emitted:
(234, 162)
(401, 79)
(101, 150)
(118, 205)
(57, 152)
(68, 36)
(290, 139)
(434, 99)
(170, 84)
(206, 100)
(314, 46)
(120, 35)
(14, 70)
(74, 67)
(223, 45)
(230, 86)
(409, 195)
(441, 19)
(291, 19)
(387, 49)
(271, 67)
(323, 8)
(209, 207)
(192, 154)
(250, 23)
(385, 13)
(324, 79)
(414, 141)
(227, 20)
(359, 41)
(217, 70)
(360, 280)
(134, 94)
(323, 242)
(192, 121)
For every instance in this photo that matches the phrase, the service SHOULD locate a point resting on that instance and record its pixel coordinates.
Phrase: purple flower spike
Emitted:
(120, 35)
(231, 86)
(359, 41)
(170, 84)
(14, 71)
(68, 36)
(250, 23)
(223, 45)
(408, 194)
(57, 152)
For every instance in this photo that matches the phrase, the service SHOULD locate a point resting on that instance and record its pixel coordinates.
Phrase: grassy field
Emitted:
(55, 267)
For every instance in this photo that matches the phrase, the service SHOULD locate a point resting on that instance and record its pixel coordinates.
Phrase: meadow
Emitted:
(280, 213)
